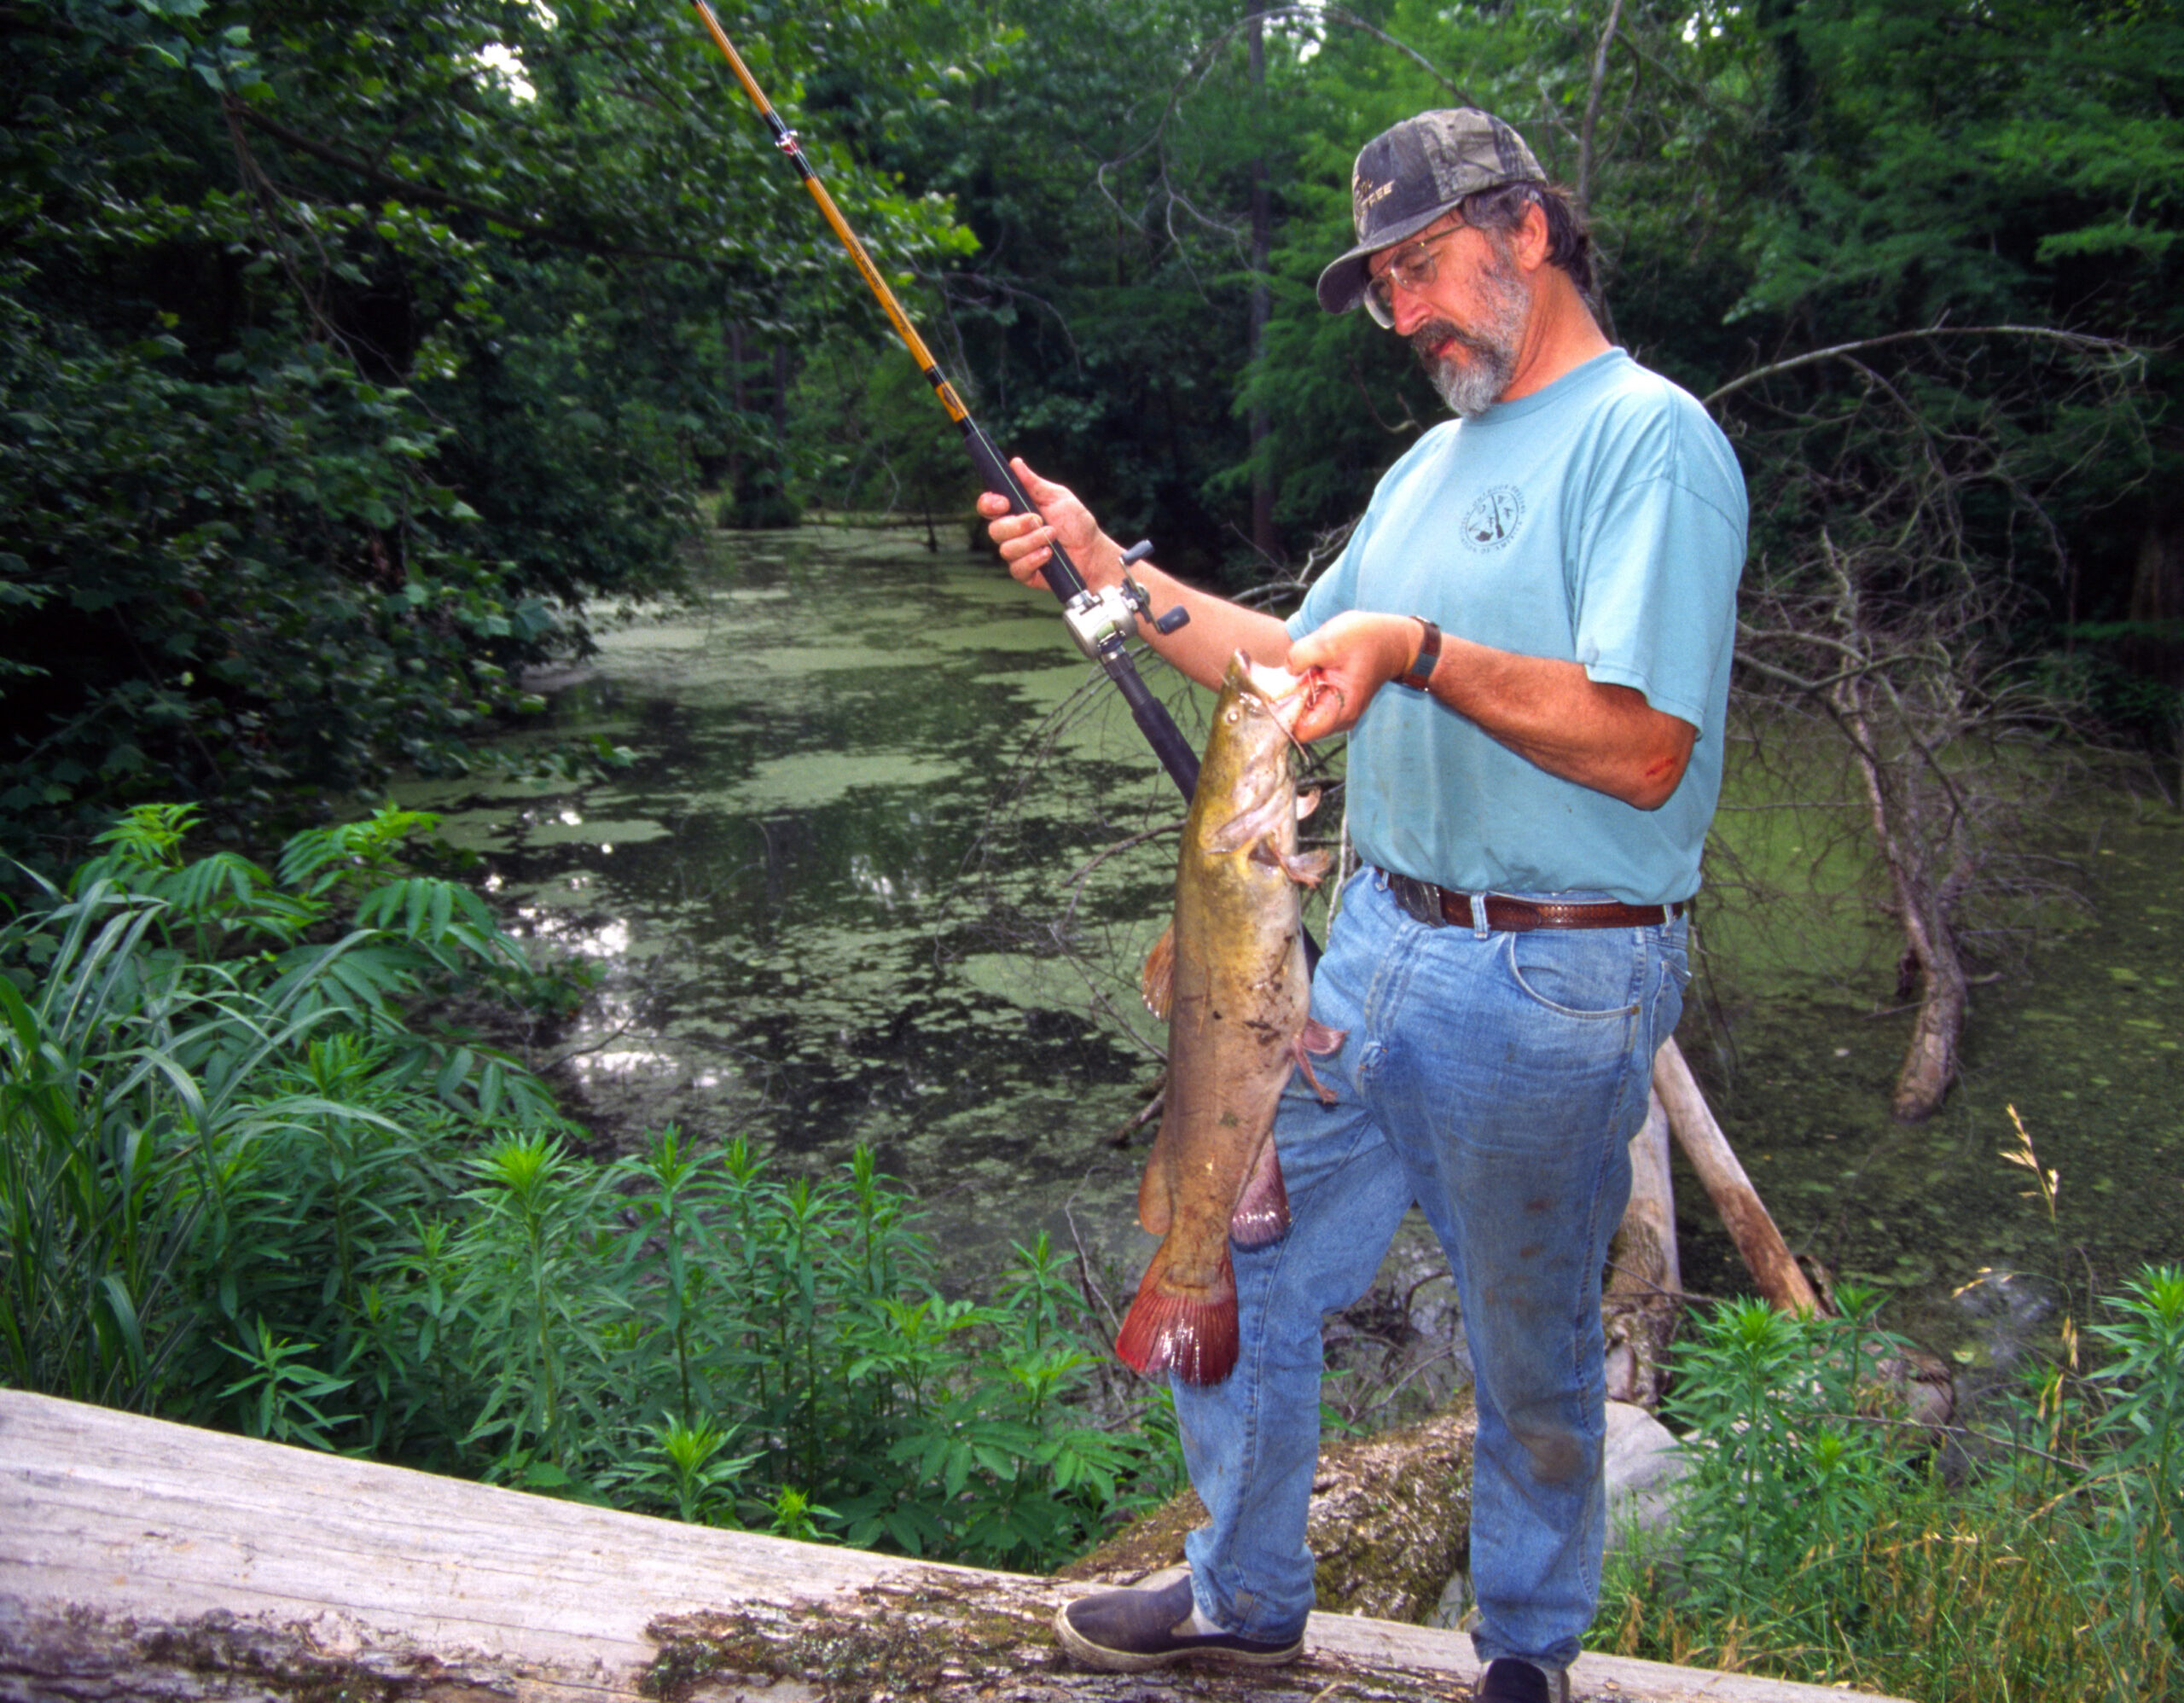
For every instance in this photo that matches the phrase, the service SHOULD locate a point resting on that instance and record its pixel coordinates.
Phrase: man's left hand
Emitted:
(1356, 654)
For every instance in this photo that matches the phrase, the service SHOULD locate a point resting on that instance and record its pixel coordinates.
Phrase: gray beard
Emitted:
(1472, 386)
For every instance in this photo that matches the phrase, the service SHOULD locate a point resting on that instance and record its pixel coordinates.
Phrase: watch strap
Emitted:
(1419, 676)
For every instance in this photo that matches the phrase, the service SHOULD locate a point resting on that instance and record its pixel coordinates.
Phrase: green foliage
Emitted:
(1773, 1406)
(345, 355)
(208, 1073)
(868, 435)
(244, 1183)
(1816, 1540)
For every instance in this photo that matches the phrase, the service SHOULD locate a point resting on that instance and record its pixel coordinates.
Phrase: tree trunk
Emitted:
(1764, 1252)
(1263, 489)
(1644, 1295)
(2157, 608)
(1588, 160)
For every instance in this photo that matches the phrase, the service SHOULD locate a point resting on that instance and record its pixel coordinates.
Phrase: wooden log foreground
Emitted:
(140, 1558)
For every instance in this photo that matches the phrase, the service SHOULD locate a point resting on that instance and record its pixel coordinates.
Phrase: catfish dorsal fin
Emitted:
(1158, 983)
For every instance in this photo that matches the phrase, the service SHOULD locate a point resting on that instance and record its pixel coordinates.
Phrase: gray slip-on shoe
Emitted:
(1508, 1679)
(1133, 1631)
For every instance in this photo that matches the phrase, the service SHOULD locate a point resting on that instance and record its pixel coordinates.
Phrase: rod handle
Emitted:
(1062, 577)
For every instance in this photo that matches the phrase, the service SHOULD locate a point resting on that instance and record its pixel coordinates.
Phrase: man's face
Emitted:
(1466, 323)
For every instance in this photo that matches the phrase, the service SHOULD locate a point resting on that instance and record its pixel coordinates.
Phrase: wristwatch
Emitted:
(1419, 676)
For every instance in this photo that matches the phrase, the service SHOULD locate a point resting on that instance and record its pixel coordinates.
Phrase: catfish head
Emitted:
(1246, 799)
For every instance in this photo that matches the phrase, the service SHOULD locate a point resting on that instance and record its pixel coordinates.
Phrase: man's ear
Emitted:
(1531, 241)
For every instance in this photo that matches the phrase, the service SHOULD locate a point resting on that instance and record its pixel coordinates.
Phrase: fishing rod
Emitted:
(1101, 622)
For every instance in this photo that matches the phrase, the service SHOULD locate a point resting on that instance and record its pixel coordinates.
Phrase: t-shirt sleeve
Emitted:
(1654, 605)
(1336, 590)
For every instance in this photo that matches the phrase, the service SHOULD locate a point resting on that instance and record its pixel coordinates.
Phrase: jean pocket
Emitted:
(1588, 973)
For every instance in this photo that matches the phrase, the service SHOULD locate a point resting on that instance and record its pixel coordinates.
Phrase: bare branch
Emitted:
(1583, 187)
(2109, 348)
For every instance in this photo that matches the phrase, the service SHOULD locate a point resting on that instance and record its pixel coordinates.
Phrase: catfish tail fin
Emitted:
(1192, 1334)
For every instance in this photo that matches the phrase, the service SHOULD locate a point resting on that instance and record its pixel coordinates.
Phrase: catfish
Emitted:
(1229, 976)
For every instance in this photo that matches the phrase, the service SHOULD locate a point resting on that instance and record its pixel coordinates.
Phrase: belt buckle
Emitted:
(1418, 899)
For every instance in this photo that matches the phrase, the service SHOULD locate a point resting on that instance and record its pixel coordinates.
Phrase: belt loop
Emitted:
(1478, 915)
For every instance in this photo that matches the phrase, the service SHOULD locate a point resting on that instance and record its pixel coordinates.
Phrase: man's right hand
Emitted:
(1027, 540)
(1200, 649)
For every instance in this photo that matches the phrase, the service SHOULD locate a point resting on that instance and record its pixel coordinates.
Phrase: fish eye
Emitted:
(1235, 712)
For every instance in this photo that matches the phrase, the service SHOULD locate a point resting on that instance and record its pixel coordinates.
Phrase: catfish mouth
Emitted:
(1272, 687)
(1277, 694)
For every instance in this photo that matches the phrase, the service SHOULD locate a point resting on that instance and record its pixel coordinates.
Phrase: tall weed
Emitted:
(245, 1182)
(1821, 1540)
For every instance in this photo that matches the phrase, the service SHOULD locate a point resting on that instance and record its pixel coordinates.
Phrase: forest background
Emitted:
(351, 352)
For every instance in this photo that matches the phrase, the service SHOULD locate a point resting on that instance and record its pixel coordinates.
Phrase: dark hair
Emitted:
(1568, 243)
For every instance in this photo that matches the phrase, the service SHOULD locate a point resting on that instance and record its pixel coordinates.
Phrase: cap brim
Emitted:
(1342, 283)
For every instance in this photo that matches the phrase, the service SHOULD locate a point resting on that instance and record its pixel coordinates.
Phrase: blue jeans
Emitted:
(1495, 1079)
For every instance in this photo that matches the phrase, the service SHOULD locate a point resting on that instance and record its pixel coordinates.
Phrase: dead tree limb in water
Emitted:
(1903, 527)
(1750, 1225)
(1918, 828)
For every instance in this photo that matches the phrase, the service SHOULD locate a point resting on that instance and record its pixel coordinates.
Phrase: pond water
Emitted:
(2084, 1037)
(824, 902)
(875, 793)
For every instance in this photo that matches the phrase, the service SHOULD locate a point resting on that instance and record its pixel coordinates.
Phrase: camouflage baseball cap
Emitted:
(1407, 176)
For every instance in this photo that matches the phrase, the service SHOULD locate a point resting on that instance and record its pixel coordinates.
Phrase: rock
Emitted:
(1642, 1464)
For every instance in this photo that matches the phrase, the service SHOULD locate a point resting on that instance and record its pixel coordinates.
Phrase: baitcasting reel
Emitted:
(1096, 619)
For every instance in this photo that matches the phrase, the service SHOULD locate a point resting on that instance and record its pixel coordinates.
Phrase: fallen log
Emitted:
(140, 1558)
(1773, 1267)
(1390, 1522)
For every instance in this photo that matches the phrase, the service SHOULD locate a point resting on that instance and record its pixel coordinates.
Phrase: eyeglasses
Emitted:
(1413, 267)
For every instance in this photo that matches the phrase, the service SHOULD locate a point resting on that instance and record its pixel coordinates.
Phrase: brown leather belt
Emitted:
(1440, 907)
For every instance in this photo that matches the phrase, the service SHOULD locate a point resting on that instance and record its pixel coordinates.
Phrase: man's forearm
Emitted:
(1551, 713)
(1216, 630)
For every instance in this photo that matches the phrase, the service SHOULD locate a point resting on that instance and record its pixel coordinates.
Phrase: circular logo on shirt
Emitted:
(1492, 520)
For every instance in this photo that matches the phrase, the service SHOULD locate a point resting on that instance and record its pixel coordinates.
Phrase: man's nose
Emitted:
(1406, 308)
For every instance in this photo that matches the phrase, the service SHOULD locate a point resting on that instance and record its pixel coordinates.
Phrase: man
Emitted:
(1529, 637)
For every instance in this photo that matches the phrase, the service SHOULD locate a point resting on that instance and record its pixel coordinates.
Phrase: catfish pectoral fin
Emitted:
(1261, 1214)
(1192, 1334)
(1316, 1038)
(1307, 869)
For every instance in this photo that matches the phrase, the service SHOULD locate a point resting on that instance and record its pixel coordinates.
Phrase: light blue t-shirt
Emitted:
(1601, 521)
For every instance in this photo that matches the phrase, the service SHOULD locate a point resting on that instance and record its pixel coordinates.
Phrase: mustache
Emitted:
(1429, 337)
